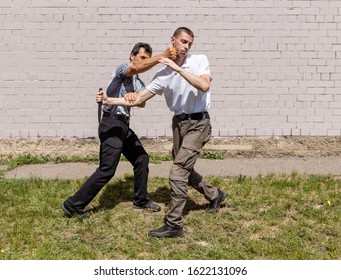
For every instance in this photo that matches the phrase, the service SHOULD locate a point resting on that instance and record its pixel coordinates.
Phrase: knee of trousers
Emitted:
(178, 174)
(178, 180)
(142, 160)
(105, 173)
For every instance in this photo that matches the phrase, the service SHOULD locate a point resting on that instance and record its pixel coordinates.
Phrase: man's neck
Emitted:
(179, 61)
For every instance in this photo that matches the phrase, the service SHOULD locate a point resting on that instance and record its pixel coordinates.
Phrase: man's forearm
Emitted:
(118, 101)
(150, 62)
(147, 64)
(142, 97)
(201, 83)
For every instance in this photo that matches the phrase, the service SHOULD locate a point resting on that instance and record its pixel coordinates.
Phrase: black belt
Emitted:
(121, 118)
(194, 116)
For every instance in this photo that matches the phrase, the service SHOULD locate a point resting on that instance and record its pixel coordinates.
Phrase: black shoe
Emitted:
(166, 231)
(74, 214)
(150, 206)
(215, 204)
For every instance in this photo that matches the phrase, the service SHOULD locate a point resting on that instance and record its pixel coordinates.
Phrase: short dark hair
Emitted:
(140, 45)
(183, 29)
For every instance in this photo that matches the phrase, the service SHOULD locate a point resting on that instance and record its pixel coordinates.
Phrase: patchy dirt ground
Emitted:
(230, 147)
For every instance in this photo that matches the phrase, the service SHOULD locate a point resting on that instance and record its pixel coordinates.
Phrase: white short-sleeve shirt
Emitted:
(181, 96)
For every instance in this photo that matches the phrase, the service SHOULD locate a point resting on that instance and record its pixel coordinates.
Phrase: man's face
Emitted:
(182, 43)
(142, 54)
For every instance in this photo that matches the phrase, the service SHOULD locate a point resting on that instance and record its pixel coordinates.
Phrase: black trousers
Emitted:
(116, 138)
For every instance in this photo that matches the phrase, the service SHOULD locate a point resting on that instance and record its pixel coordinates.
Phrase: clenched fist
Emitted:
(170, 53)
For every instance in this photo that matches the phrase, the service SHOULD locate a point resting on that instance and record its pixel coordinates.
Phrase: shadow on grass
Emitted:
(122, 191)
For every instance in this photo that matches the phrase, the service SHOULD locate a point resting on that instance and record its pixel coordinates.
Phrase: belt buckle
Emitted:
(182, 116)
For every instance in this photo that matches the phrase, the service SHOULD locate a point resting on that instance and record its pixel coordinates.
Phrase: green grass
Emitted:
(267, 217)
(212, 154)
(32, 159)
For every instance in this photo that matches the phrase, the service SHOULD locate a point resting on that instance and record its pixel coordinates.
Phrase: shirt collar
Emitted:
(185, 64)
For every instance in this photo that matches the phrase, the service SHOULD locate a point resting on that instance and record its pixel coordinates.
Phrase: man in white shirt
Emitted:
(185, 82)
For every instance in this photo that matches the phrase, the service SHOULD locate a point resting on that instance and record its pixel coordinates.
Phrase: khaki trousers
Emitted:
(189, 137)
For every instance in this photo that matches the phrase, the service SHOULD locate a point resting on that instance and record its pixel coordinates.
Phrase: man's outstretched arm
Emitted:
(146, 64)
(141, 98)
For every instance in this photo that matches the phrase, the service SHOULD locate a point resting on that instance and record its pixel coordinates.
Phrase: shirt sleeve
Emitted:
(155, 86)
(122, 70)
(204, 67)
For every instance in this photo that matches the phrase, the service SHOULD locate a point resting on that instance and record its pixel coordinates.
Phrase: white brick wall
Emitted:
(276, 64)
